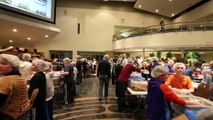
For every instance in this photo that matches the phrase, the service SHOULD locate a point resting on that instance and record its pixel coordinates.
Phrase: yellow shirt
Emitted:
(17, 102)
(181, 83)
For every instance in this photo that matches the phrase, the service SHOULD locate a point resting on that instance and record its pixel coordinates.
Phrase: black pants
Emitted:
(79, 78)
(69, 91)
(121, 95)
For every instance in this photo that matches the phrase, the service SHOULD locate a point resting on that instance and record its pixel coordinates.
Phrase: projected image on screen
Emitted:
(42, 8)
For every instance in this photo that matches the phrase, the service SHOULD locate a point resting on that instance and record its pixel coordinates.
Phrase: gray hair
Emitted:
(11, 59)
(66, 60)
(106, 57)
(131, 61)
(40, 64)
(158, 71)
(178, 64)
(78, 57)
(154, 59)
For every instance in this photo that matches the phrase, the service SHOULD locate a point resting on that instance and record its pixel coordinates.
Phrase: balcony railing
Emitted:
(174, 27)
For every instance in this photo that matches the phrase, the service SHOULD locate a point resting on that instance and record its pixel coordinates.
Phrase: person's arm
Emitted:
(169, 95)
(3, 98)
(34, 95)
(169, 80)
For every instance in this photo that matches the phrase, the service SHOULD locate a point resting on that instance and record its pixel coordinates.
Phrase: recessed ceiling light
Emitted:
(14, 30)
(173, 14)
(46, 36)
(10, 41)
(156, 10)
(201, 25)
(170, 0)
(139, 6)
(105, 0)
(29, 38)
(124, 0)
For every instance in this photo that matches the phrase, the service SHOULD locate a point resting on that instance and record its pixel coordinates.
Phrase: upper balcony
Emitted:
(176, 35)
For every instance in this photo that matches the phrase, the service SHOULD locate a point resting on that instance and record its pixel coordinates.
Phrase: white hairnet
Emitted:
(25, 69)
(40, 64)
(158, 71)
(48, 66)
(11, 59)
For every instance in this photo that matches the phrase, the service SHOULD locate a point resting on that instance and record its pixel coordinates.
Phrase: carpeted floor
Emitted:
(88, 107)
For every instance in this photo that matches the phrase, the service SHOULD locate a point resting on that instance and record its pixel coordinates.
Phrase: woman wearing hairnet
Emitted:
(14, 102)
(159, 96)
(37, 90)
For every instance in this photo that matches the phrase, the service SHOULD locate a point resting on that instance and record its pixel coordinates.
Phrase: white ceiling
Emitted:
(24, 31)
(165, 7)
(37, 32)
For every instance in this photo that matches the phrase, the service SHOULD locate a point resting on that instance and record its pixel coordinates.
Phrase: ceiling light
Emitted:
(14, 30)
(170, 0)
(10, 41)
(173, 14)
(201, 25)
(105, 0)
(124, 0)
(46, 36)
(156, 10)
(29, 38)
(139, 6)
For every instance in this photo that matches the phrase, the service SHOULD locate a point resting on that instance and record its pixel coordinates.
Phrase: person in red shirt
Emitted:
(160, 96)
(123, 82)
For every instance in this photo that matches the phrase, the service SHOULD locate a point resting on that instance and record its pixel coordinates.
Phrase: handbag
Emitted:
(203, 90)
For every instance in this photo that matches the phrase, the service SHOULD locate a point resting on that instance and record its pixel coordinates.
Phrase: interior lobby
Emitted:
(93, 28)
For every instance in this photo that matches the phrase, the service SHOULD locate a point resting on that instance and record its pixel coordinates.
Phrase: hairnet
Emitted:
(40, 64)
(11, 59)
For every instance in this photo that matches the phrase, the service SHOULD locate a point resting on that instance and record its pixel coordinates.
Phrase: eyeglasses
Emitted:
(180, 68)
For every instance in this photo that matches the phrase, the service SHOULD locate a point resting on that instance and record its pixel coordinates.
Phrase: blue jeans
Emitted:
(103, 80)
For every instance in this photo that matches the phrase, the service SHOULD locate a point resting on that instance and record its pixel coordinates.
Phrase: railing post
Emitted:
(204, 26)
(190, 26)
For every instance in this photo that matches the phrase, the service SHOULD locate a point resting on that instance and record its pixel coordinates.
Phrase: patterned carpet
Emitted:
(88, 107)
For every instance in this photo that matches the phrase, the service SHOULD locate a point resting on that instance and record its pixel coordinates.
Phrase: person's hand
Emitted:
(193, 102)
(184, 91)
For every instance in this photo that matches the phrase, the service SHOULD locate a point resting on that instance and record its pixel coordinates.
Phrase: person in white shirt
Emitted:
(49, 89)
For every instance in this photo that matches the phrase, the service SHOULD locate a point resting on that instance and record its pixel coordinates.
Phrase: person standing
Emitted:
(14, 102)
(79, 68)
(103, 74)
(123, 82)
(85, 68)
(49, 89)
(162, 24)
(69, 84)
(118, 68)
(37, 90)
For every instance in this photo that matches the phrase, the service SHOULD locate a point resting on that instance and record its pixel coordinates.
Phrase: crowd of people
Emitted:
(163, 103)
(27, 84)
